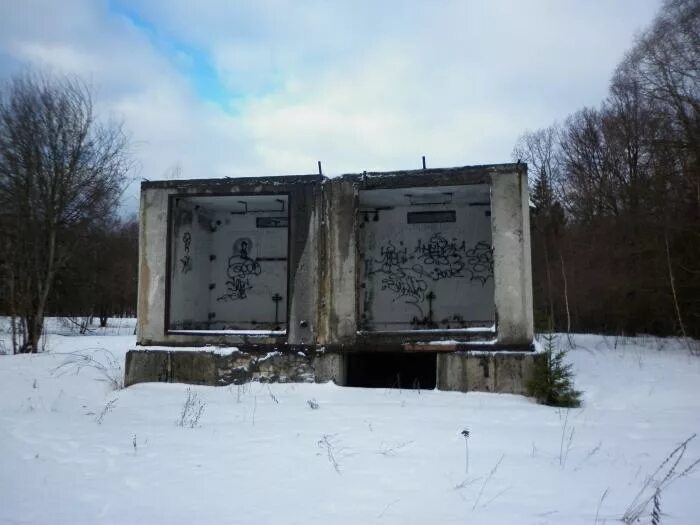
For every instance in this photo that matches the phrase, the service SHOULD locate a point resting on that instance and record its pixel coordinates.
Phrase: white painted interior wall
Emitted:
(190, 243)
(403, 264)
(237, 266)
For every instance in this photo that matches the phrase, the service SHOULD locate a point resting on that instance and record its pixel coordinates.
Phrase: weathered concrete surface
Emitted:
(211, 368)
(304, 198)
(330, 367)
(506, 372)
(425, 258)
(153, 235)
(338, 287)
(463, 371)
(306, 251)
(510, 221)
(143, 367)
(323, 278)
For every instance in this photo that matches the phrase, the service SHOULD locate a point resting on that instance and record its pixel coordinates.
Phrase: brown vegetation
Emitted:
(616, 193)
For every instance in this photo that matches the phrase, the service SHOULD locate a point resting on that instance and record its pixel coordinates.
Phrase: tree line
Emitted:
(615, 193)
(63, 248)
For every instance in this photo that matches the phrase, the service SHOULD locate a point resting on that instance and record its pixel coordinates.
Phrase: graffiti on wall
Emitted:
(397, 274)
(407, 273)
(240, 270)
(479, 262)
(186, 260)
(440, 259)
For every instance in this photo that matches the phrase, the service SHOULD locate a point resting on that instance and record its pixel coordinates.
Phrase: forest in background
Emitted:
(615, 191)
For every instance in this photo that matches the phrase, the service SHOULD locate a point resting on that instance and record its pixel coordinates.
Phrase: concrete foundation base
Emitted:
(463, 371)
(507, 372)
(214, 367)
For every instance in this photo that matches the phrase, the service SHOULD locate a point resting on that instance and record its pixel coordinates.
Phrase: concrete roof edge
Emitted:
(307, 179)
(479, 168)
(227, 181)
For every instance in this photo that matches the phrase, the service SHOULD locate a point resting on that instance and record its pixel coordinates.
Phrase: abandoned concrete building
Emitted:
(412, 279)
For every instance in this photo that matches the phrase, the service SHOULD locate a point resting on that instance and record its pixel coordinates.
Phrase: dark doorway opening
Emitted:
(392, 370)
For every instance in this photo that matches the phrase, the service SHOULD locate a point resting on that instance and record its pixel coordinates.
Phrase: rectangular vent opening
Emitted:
(271, 222)
(424, 217)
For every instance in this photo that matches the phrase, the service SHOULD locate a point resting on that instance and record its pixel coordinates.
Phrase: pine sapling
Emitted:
(552, 380)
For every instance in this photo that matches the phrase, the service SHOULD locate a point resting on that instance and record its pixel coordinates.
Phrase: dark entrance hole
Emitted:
(391, 370)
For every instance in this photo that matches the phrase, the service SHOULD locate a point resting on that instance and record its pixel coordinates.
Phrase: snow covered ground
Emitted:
(74, 451)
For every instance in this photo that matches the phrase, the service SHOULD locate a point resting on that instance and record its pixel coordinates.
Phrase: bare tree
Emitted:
(61, 173)
(542, 152)
(540, 149)
(627, 174)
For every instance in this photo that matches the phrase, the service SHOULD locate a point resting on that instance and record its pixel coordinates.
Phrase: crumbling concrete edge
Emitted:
(216, 368)
(462, 370)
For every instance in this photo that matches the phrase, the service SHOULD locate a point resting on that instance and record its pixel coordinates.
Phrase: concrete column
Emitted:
(510, 222)
(338, 312)
(304, 248)
(153, 232)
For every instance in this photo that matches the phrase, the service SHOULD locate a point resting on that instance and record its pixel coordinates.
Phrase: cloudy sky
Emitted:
(213, 88)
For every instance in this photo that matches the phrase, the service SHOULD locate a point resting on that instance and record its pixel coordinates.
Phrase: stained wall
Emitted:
(229, 263)
(344, 274)
(175, 306)
(426, 258)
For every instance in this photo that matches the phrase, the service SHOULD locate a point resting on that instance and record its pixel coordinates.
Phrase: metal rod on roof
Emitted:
(320, 171)
(423, 161)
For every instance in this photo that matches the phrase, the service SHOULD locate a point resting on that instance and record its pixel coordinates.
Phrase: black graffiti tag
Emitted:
(479, 262)
(440, 258)
(405, 286)
(398, 278)
(391, 257)
(239, 272)
(186, 260)
(407, 274)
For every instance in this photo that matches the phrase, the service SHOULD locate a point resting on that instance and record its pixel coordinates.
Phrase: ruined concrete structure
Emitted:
(411, 278)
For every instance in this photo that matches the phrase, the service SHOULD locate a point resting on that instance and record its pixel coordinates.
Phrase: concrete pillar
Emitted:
(338, 290)
(153, 233)
(510, 222)
(330, 367)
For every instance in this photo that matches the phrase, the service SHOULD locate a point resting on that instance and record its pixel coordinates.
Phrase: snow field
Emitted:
(74, 451)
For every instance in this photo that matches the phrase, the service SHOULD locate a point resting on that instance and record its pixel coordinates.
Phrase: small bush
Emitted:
(104, 362)
(552, 380)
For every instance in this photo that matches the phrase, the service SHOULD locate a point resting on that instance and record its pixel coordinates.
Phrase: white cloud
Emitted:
(358, 85)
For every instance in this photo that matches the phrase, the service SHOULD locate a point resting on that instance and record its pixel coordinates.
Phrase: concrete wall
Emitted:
(153, 237)
(209, 368)
(423, 275)
(240, 268)
(326, 268)
(191, 244)
(157, 198)
(462, 371)
(338, 284)
(507, 372)
(510, 219)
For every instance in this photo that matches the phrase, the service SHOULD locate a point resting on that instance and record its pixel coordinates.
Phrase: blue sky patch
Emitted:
(191, 61)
